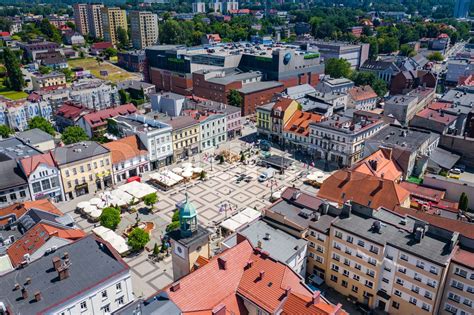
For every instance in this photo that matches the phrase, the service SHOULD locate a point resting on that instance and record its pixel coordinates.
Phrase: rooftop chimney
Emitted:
(287, 290)
(66, 255)
(316, 297)
(249, 264)
(56, 263)
(24, 293)
(38, 296)
(262, 273)
(222, 263)
(28, 280)
(338, 310)
(63, 272)
(175, 287)
(16, 287)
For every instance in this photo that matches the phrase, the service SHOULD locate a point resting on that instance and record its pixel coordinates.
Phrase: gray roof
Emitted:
(461, 97)
(259, 86)
(378, 65)
(281, 245)
(235, 77)
(83, 254)
(14, 148)
(11, 175)
(179, 122)
(78, 151)
(444, 158)
(157, 305)
(34, 136)
(134, 84)
(409, 139)
(393, 233)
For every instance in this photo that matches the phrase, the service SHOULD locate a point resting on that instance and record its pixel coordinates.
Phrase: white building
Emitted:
(144, 29)
(16, 114)
(94, 94)
(199, 7)
(155, 135)
(213, 131)
(89, 277)
(43, 177)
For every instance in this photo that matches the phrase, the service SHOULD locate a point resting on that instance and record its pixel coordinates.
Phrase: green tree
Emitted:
(435, 56)
(463, 202)
(138, 238)
(362, 77)
(110, 52)
(71, 25)
(202, 175)
(380, 87)
(44, 70)
(234, 98)
(122, 37)
(150, 199)
(156, 249)
(74, 134)
(407, 50)
(110, 218)
(68, 73)
(5, 131)
(41, 123)
(50, 30)
(14, 80)
(337, 68)
(124, 96)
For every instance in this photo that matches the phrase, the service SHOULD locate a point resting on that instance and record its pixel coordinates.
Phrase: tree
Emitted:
(435, 56)
(202, 175)
(5, 131)
(338, 68)
(71, 25)
(380, 87)
(110, 218)
(156, 250)
(138, 238)
(44, 69)
(124, 96)
(122, 36)
(110, 52)
(68, 73)
(42, 124)
(463, 202)
(150, 199)
(74, 134)
(234, 98)
(14, 80)
(362, 77)
(407, 50)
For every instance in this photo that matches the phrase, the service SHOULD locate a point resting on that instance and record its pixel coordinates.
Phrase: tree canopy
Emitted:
(150, 199)
(234, 98)
(138, 238)
(110, 218)
(14, 79)
(74, 134)
(337, 68)
(42, 124)
(5, 131)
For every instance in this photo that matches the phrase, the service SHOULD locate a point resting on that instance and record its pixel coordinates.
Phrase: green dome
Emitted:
(187, 209)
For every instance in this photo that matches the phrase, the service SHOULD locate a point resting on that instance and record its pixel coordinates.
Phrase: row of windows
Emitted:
(45, 184)
(82, 168)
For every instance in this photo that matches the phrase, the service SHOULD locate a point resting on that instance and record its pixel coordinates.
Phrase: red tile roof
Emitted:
(439, 105)
(99, 118)
(282, 104)
(36, 237)
(464, 257)
(453, 225)
(4, 34)
(299, 122)
(380, 164)
(437, 116)
(301, 304)
(30, 164)
(125, 149)
(72, 111)
(236, 274)
(361, 93)
(102, 45)
(423, 192)
(363, 189)
(19, 209)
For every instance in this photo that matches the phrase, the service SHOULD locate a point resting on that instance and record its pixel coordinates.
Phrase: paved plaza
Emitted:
(215, 198)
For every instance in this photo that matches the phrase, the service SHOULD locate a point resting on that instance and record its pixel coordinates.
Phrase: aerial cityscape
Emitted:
(237, 157)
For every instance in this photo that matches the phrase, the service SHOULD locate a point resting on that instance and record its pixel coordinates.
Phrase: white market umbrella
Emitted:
(177, 170)
(81, 205)
(312, 176)
(89, 209)
(101, 205)
(95, 214)
(95, 201)
(197, 169)
(187, 174)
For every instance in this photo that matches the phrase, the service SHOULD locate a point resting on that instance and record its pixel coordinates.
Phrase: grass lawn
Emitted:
(13, 95)
(115, 74)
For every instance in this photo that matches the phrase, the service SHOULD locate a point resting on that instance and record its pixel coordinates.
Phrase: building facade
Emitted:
(144, 29)
(112, 19)
(94, 94)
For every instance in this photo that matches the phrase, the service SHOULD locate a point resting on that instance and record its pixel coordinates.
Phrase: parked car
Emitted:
(266, 175)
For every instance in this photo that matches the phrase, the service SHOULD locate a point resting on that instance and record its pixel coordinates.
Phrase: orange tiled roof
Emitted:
(361, 93)
(299, 122)
(125, 149)
(301, 304)
(19, 209)
(363, 189)
(380, 164)
(36, 237)
(30, 164)
(282, 104)
(234, 274)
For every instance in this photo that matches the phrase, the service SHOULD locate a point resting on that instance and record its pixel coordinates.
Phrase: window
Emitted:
(413, 300)
(425, 307)
(344, 283)
(106, 309)
(402, 269)
(431, 283)
(398, 293)
(370, 273)
(335, 268)
(345, 273)
(356, 277)
(83, 305)
(347, 262)
(319, 259)
(67, 173)
(400, 281)
(374, 249)
(358, 255)
(320, 249)
(74, 171)
(13, 196)
(118, 287)
(434, 270)
(312, 245)
(395, 305)
(349, 239)
(104, 295)
(454, 297)
(337, 246)
(369, 284)
(89, 166)
(467, 302)
(36, 187)
(120, 300)
(404, 257)
(336, 257)
(333, 278)
(361, 243)
(420, 264)
(45, 183)
(461, 272)
(22, 194)
(82, 168)
(415, 289)
(372, 261)
(428, 295)
(54, 182)
(451, 309)
(338, 234)
(457, 285)
(357, 266)
(355, 289)
(348, 251)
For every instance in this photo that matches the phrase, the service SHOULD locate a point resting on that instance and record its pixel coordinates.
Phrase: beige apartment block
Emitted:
(112, 19)
(80, 18)
(94, 19)
(144, 29)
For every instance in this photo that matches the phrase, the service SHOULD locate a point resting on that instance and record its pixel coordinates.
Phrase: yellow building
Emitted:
(264, 120)
(281, 113)
(41, 81)
(85, 167)
(112, 20)
(186, 136)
